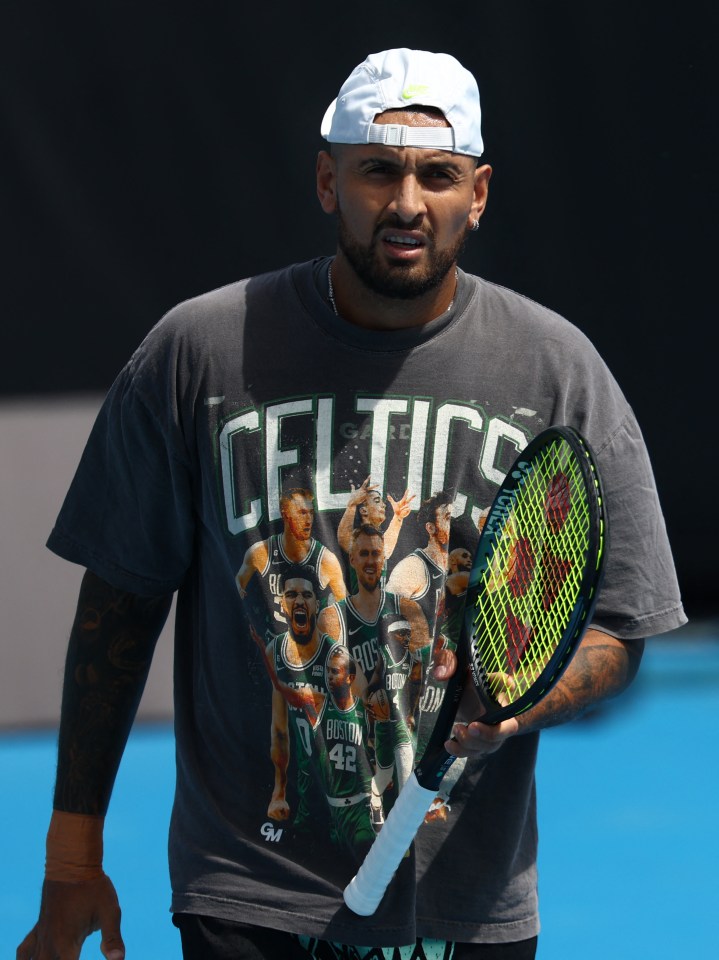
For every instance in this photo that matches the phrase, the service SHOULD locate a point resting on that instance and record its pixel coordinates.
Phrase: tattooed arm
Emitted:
(602, 668)
(109, 654)
(108, 660)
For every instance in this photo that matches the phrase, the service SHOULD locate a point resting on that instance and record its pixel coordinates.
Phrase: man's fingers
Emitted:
(26, 948)
(112, 945)
(33, 948)
(113, 948)
(479, 739)
(69, 913)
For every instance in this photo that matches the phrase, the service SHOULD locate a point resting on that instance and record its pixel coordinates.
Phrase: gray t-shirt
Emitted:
(225, 452)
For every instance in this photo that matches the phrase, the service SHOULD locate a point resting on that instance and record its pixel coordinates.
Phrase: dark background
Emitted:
(152, 151)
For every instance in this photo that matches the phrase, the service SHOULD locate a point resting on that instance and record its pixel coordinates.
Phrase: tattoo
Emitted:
(109, 655)
(601, 668)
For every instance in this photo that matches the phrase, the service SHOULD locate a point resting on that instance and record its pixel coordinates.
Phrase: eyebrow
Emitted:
(441, 162)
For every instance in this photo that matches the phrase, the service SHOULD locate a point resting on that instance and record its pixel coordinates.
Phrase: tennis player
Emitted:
(171, 494)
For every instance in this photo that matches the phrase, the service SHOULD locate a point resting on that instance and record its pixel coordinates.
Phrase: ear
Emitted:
(481, 190)
(327, 181)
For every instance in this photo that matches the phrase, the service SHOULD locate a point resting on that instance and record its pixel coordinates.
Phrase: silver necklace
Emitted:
(331, 290)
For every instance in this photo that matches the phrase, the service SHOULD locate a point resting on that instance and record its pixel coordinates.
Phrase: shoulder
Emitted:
(211, 335)
(411, 562)
(408, 576)
(329, 614)
(259, 552)
(223, 306)
(500, 306)
(326, 557)
(545, 354)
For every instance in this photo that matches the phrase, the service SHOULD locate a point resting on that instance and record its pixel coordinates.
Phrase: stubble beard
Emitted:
(403, 281)
(370, 585)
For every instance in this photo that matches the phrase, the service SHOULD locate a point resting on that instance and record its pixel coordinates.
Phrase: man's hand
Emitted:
(470, 737)
(358, 495)
(279, 809)
(401, 507)
(69, 913)
(476, 739)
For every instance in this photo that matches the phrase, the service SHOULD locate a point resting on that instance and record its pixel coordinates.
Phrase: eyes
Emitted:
(434, 175)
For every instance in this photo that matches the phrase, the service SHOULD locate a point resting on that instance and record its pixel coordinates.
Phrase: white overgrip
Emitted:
(363, 894)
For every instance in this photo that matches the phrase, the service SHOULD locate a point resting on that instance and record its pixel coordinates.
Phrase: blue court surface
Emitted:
(627, 805)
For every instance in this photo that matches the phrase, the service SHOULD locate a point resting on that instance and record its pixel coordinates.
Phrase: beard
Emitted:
(369, 585)
(402, 281)
(302, 627)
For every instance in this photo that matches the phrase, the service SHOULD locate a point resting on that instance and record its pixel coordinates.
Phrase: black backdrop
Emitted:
(155, 150)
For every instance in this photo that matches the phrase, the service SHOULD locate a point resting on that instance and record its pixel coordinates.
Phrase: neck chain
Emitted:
(331, 291)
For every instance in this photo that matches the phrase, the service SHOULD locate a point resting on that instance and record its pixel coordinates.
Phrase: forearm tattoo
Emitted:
(109, 655)
(602, 668)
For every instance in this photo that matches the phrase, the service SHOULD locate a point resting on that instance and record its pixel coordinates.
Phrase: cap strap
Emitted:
(400, 135)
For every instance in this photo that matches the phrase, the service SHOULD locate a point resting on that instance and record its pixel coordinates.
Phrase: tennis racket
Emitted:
(531, 593)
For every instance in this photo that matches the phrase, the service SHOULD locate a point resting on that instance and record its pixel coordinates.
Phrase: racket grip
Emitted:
(364, 892)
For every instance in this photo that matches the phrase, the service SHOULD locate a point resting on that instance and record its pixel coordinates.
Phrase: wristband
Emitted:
(73, 848)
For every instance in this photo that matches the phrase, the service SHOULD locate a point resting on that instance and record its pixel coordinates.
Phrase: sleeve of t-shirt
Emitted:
(128, 514)
(640, 595)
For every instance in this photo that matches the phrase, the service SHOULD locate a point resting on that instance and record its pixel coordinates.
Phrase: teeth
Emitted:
(409, 241)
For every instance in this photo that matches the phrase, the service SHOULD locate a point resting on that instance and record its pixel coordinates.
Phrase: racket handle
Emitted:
(363, 894)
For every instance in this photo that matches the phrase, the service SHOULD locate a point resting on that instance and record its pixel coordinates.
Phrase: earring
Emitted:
(475, 225)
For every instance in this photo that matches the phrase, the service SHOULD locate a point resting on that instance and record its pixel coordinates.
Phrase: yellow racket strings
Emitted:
(532, 581)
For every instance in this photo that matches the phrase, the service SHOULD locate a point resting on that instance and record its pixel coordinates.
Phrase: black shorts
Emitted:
(206, 938)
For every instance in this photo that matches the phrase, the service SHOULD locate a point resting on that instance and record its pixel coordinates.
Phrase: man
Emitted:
(366, 502)
(269, 558)
(423, 573)
(172, 492)
(343, 732)
(459, 566)
(398, 674)
(355, 621)
(297, 663)
(315, 707)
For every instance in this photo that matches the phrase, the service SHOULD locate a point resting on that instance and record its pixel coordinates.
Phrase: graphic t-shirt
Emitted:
(247, 417)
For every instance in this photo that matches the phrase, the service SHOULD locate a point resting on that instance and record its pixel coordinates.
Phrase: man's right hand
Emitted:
(69, 913)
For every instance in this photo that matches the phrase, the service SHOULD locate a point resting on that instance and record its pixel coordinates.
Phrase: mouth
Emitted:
(404, 244)
(300, 618)
(404, 241)
(372, 578)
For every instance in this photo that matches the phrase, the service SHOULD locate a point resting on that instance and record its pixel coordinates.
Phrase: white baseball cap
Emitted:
(403, 78)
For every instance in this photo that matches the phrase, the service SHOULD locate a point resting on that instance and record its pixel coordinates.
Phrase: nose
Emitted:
(408, 203)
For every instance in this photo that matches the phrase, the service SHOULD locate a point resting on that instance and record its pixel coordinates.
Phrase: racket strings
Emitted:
(533, 577)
